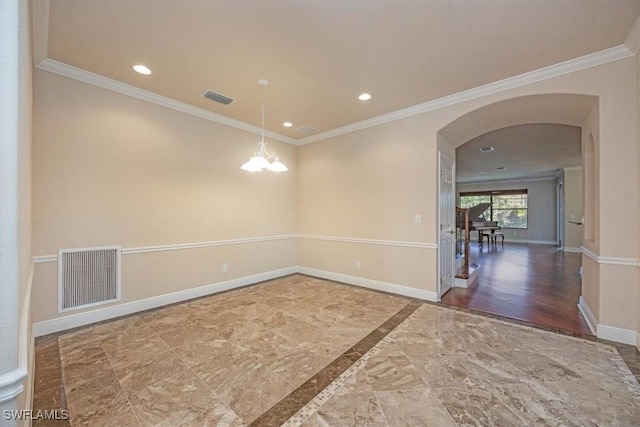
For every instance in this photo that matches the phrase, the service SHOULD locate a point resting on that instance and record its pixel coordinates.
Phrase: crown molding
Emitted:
(508, 180)
(633, 38)
(41, 41)
(592, 60)
(101, 81)
(40, 24)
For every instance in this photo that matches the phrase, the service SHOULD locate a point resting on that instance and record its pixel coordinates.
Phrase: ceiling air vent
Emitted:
(486, 149)
(307, 130)
(218, 97)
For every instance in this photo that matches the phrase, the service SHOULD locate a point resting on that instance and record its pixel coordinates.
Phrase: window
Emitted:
(508, 208)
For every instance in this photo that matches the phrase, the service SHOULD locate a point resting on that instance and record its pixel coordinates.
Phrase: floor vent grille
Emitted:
(88, 277)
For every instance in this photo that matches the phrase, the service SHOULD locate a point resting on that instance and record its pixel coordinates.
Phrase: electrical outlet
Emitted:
(225, 268)
(358, 265)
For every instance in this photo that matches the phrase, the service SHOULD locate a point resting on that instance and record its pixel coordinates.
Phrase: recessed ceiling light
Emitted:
(139, 68)
(287, 124)
(482, 173)
(364, 97)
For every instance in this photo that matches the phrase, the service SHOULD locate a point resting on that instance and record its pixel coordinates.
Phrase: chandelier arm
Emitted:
(262, 125)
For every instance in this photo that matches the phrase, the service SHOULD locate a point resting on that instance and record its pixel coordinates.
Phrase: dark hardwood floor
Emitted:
(534, 283)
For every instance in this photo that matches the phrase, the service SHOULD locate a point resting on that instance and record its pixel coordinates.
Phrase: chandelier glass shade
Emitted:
(263, 159)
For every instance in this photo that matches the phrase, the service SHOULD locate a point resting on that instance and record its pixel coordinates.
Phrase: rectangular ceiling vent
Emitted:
(218, 97)
(486, 149)
(88, 277)
(307, 130)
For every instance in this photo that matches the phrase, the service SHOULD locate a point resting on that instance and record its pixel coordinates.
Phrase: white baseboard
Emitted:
(574, 250)
(371, 284)
(531, 242)
(611, 333)
(588, 315)
(105, 313)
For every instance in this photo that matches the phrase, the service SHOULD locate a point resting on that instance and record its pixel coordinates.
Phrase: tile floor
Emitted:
(305, 351)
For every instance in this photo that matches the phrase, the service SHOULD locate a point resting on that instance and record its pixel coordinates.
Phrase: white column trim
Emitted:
(609, 260)
(11, 383)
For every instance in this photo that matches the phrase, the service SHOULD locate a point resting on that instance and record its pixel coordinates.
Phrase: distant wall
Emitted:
(541, 208)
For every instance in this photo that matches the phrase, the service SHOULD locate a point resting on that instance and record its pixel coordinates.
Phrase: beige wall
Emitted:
(113, 170)
(541, 208)
(573, 207)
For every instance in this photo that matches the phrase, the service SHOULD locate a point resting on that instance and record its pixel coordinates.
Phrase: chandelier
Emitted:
(261, 159)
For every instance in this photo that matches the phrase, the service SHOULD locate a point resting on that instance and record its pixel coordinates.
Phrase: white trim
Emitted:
(11, 383)
(633, 38)
(369, 241)
(530, 242)
(98, 80)
(617, 261)
(45, 258)
(508, 180)
(587, 314)
(371, 284)
(609, 260)
(572, 249)
(611, 333)
(40, 25)
(175, 247)
(181, 246)
(589, 253)
(105, 313)
(592, 60)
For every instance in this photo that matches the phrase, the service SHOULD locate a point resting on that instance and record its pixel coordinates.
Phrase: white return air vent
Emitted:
(88, 277)
(307, 130)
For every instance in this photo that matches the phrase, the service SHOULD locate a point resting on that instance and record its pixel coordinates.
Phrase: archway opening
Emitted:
(531, 277)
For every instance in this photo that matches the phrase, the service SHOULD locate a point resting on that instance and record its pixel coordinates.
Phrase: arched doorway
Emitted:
(568, 110)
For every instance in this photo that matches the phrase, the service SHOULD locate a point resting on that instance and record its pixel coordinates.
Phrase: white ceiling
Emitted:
(525, 151)
(319, 55)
